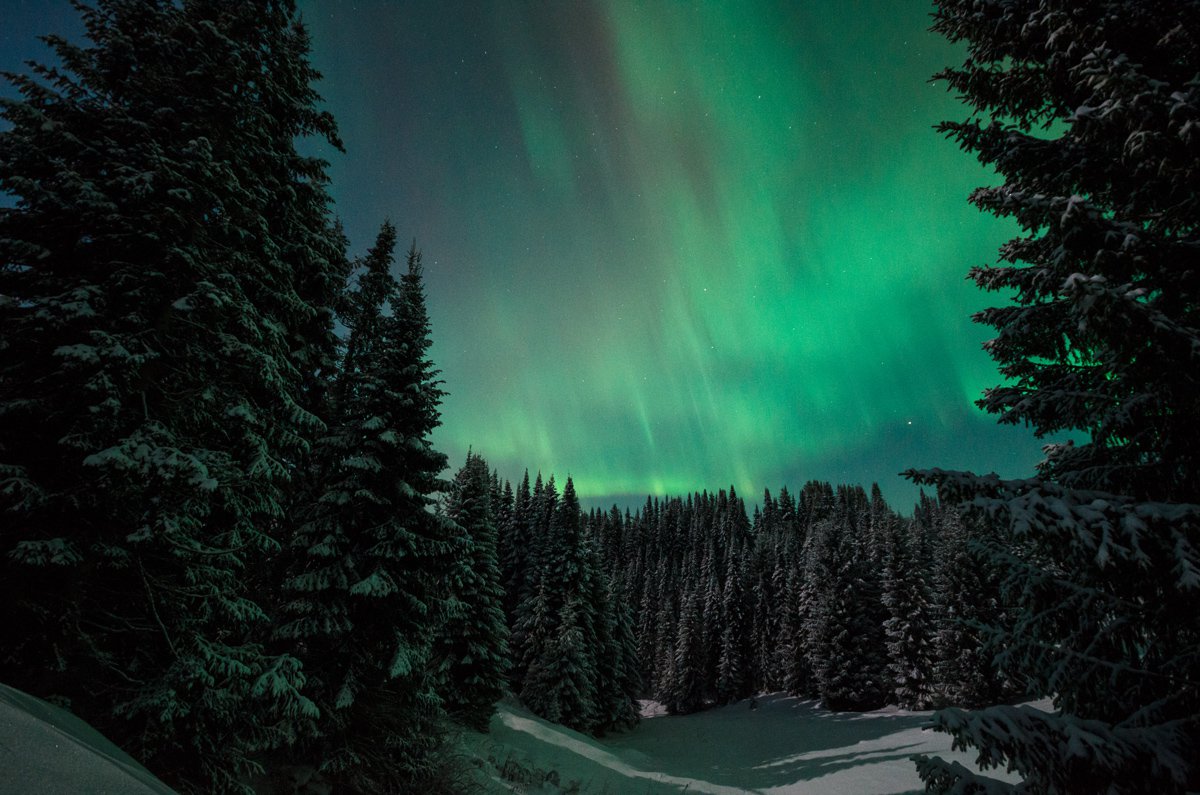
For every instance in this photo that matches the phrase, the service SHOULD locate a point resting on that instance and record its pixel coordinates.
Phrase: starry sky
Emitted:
(670, 246)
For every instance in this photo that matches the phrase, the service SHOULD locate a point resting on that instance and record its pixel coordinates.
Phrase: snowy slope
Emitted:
(49, 751)
(784, 746)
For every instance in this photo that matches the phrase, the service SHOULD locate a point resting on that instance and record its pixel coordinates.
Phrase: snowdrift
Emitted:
(49, 751)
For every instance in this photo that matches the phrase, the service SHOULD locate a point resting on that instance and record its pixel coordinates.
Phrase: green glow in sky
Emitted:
(674, 246)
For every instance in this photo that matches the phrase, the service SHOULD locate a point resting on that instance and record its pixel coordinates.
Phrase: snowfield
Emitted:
(783, 746)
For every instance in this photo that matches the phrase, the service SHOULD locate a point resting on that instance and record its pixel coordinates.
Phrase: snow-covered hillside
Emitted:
(782, 746)
(48, 750)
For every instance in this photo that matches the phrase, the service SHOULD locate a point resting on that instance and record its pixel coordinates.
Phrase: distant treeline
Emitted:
(829, 595)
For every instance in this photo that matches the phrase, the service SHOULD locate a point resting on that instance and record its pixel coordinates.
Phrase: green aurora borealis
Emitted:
(672, 246)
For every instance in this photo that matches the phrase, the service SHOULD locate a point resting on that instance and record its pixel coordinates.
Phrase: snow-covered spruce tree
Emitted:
(167, 274)
(820, 566)
(909, 627)
(763, 625)
(850, 667)
(560, 685)
(614, 652)
(367, 588)
(1101, 555)
(558, 628)
(537, 625)
(968, 611)
(519, 574)
(623, 707)
(684, 690)
(530, 626)
(793, 649)
(605, 654)
(784, 616)
(593, 613)
(733, 668)
(474, 641)
(710, 612)
(513, 551)
(507, 540)
(317, 603)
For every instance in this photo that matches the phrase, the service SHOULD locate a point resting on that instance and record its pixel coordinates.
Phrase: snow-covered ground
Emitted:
(49, 751)
(783, 746)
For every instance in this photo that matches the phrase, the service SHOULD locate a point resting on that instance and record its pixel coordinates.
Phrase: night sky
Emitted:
(670, 246)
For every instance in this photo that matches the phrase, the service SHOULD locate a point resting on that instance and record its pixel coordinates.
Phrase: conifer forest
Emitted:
(291, 501)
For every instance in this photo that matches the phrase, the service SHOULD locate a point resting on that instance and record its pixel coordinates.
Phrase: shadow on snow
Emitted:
(782, 741)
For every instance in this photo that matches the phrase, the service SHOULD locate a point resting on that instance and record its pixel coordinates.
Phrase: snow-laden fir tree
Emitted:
(909, 627)
(1090, 114)
(710, 608)
(795, 668)
(538, 604)
(733, 668)
(663, 652)
(537, 627)
(684, 689)
(646, 633)
(968, 608)
(559, 679)
(565, 630)
(518, 548)
(167, 278)
(764, 625)
(320, 563)
(622, 705)
(849, 663)
(613, 704)
(474, 640)
(594, 610)
(789, 566)
(560, 685)
(511, 509)
(370, 561)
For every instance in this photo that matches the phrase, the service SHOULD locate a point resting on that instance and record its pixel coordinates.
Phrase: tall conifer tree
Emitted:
(474, 645)
(909, 627)
(733, 667)
(1087, 111)
(167, 281)
(684, 690)
(371, 561)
